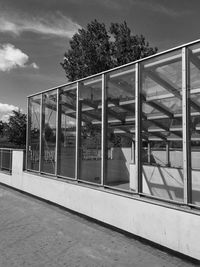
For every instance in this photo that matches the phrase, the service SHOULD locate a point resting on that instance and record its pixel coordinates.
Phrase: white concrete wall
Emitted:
(174, 228)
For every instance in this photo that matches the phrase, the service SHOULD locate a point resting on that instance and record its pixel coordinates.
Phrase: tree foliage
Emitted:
(16, 128)
(2, 128)
(95, 49)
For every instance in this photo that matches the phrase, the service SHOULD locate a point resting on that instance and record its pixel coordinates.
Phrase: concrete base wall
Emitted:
(176, 229)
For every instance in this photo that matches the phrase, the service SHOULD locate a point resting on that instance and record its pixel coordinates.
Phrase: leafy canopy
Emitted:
(2, 125)
(95, 49)
(16, 128)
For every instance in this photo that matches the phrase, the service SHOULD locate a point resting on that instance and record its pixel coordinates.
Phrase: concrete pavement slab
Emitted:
(36, 233)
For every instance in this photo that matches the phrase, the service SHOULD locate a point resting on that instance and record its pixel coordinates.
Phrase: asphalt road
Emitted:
(35, 233)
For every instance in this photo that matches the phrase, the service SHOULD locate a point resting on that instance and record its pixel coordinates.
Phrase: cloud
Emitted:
(6, 111)
(34, 65)
(54, 24)
(150, 5)
(111, 4)
(12, 57)
(7, 107)
(160, 8)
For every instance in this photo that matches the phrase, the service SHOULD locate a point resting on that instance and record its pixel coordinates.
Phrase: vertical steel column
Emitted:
(186, 127)
(1, 158)
(41, 132)
(78, 129)
(103, 130)
(167, 154)
(28, 125)
(138, 114)
(10, 163)
(149, 153)
(58, 128)
(132, 152)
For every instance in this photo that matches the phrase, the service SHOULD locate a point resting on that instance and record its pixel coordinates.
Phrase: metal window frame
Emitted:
(41, 131)
(78, 131)
(58, 129)
(138, 114)
(104, 130)
(28, 127)
(186, 127)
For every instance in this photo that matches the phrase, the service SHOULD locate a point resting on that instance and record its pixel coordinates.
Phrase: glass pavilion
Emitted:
(135, 128)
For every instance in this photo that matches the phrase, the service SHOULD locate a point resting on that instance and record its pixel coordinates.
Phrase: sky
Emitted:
(35, 34)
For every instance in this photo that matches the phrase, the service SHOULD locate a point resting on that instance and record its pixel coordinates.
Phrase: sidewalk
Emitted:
(34, 233)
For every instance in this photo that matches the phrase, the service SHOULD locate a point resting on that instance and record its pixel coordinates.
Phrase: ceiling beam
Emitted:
(164, 82)
(194, 59)
(116, 102)
(93, 116)
(122, 85)
(160, 107)
(116, 115)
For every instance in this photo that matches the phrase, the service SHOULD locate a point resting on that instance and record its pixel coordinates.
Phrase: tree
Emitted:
(2, 125)
(127, 47)
(95, 49)
(16, 130)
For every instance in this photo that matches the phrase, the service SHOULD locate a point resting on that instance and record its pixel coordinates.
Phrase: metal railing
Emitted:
(6, 160)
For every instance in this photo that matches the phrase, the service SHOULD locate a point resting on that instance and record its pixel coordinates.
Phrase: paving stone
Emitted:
(35, 233)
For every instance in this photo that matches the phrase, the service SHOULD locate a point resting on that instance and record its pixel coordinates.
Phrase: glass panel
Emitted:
(194, 90)
(34, 133)
(67, 132)
(6, 160)
(162, 149)
(49, 110)
(90, 142)
(120, 127)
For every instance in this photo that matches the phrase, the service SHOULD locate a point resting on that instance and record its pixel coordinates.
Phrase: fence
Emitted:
(6, 160)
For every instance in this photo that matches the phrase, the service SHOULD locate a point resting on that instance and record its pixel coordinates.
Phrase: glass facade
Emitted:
(67, 131)
(120, 126)
(48, 144)
(194, 119)
(90, 105)
(135, 128)
(33, 151)
(161, 127)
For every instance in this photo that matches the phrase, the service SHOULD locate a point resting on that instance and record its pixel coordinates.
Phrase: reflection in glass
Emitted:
(34, 133)
(67, 133)
(162, 149)
(120, 127)
(49, 110)
(90, 142)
